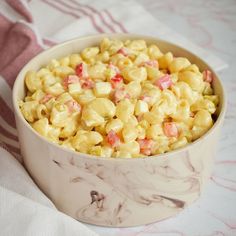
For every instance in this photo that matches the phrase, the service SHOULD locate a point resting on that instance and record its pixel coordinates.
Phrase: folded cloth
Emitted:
(25, 210)
(26, 28)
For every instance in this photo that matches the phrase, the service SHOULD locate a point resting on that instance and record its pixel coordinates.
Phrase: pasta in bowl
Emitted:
(108, 100)
(120, 99)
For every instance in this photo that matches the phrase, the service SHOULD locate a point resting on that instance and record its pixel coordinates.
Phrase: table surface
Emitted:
(212, 25)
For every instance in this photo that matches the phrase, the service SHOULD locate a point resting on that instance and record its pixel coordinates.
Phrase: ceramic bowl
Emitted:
(117, 192)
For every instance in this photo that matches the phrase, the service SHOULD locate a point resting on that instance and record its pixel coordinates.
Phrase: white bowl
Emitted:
(116, 192)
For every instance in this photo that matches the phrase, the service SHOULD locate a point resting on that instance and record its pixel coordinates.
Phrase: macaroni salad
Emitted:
(120, 99)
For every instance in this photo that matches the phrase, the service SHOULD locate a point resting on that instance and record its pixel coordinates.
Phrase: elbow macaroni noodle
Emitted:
(120, 99)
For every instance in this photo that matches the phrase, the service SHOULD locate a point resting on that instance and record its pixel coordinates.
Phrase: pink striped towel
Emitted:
(28, 27)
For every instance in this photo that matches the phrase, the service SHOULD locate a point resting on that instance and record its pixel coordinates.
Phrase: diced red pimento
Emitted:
(81, 70)
(151, 63)
(119, 94)
(73, 106)
(113, 67)
(207, 76)
(46, 98)
(70, 79)
(146, 146)
(123, 51)
(170, 129)
(145, 98)
(116, 81)
(113, 139)
(87, 83)
(164, 82)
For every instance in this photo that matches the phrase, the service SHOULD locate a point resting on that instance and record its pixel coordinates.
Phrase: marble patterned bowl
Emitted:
(116, 192)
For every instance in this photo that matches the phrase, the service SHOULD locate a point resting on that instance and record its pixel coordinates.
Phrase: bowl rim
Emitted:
(75, 154)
